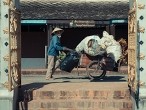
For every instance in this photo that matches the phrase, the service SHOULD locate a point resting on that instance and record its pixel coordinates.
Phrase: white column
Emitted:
(4, 42)
(6, 97)
(141, 18)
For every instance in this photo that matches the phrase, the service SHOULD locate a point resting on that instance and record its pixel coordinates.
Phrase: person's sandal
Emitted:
(47, 78)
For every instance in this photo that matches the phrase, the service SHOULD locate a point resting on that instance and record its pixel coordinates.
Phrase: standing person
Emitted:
(53, 52)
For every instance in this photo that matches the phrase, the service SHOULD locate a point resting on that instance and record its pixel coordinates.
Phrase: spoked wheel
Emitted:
(96, 70)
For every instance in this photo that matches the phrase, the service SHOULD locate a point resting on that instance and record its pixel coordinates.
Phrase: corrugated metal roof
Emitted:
(74, 9)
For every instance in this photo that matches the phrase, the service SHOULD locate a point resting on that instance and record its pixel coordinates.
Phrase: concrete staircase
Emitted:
(78, 96)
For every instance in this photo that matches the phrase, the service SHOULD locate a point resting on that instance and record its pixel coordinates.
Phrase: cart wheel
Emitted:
(96, 70)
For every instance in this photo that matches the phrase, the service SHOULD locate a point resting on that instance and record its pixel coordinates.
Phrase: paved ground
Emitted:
(60, 78)
(34, 78)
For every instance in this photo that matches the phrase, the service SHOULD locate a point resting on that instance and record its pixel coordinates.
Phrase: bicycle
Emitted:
(99, 66)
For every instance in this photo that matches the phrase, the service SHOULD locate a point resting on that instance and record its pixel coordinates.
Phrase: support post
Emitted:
(49, 30)
(112, 30)
(108, 29)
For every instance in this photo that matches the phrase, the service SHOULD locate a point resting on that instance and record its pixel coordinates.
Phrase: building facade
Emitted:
(79, 18)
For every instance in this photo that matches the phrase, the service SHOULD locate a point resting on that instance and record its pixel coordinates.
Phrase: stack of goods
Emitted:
(113, 48)
(90, 45)
(124, 45)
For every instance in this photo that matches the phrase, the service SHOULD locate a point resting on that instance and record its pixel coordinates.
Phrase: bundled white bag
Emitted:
(99, 46)
(114, 51)
(93, 49)
(113, 48)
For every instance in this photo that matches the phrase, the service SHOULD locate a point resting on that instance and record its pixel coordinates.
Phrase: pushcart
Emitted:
(96, 68)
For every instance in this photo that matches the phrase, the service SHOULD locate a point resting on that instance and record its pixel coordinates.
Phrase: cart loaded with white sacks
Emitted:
(103, 55)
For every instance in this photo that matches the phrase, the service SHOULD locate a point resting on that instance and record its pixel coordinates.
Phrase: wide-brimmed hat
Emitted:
(57, 29)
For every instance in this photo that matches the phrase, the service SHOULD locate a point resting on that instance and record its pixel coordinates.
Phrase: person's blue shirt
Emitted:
(55, 46)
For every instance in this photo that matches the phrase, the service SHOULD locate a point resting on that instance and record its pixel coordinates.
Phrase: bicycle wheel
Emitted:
(96, 70)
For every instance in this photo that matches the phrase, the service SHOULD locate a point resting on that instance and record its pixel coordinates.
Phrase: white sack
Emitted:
(113, 48)
(115, 51)
(92, 51)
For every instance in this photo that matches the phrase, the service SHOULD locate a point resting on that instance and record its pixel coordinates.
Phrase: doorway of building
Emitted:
(71, 37)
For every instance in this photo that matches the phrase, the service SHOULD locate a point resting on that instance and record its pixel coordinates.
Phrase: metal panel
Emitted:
(34, 21)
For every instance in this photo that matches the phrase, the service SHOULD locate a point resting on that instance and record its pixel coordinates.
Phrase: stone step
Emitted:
(81, 94)
(84, 95)
(80, 104)
(84, 90)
